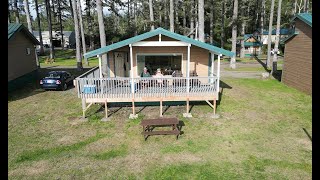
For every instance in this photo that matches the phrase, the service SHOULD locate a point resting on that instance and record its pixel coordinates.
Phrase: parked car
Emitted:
(58, 80)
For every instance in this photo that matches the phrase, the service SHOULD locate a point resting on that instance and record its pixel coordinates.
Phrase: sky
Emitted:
(34, 14)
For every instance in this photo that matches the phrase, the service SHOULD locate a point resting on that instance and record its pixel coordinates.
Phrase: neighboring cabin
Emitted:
(68, 38)
(252, 46)
(22, 64)
(297, 65)
(284, 33)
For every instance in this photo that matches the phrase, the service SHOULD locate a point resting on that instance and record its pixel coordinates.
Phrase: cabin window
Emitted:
(167, 63)
(28, 51)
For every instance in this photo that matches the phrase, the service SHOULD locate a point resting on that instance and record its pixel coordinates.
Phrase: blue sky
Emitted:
(34, 15)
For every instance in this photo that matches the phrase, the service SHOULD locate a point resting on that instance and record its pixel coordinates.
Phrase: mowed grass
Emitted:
(66, 58)
(259, 135)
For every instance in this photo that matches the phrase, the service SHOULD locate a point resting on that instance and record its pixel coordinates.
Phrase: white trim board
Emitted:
(160, 43)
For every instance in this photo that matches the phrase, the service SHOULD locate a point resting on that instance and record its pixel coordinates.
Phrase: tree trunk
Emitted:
(60, 23)
(243, 26)
(71, 8)
(16, 11)
(304, 6)
(295, 7)
(184, 22)
(223, 15)
(176, 10)
(171, 17)
(192, 19)
(263, 11)
(26, 9)
(276, 44)
(201, 20)
(234, 34)
(269, 35)
(165, 14)
(9, 17)
(160, 15)
(90, 25)
(77, 35)
(50, 28)
(102, 35)
(151, 14)
(39, 28)
(135, 18)
(211, 21)
(84, 47)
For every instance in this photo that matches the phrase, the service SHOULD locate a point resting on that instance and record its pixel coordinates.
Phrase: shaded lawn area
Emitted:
(66, 58)
(251, 59)
(259, 135)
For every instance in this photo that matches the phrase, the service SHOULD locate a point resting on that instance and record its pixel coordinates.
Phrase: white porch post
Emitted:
(100, 66)
(218, 76)
(131, 70)
(212, 67)
(188, 68)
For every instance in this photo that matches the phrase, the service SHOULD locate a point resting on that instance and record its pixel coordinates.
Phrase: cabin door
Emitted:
(121, 64)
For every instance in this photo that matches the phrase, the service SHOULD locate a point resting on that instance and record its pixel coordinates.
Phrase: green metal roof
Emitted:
(13, 28)
(154, 33)
(305, 17)
(248, 44)
(289, 37)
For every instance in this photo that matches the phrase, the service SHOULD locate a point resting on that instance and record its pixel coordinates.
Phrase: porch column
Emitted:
(131, 72)
(188, 68)
(211, 80)
(100, 66)
(218, 76)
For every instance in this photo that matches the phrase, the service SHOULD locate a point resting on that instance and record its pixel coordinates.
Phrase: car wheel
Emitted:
(65, 86)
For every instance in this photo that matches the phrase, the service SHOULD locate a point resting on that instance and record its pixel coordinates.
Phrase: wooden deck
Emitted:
(92, 89)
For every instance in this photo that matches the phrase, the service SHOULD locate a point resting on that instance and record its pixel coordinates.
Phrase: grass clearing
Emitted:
(66, 58)
(251, 69)
(259, 135)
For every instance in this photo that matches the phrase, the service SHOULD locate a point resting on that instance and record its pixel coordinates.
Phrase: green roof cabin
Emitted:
(190, 71)
(22, 58)
(297, 63)
(252, 46)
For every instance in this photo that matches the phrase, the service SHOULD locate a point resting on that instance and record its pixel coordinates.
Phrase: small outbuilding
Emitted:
(22, 59)
(297, 65)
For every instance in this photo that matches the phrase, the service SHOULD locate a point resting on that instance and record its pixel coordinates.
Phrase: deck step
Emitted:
(176, 132)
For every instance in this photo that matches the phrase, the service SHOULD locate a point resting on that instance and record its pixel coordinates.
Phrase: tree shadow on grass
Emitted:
(307, 134)
(262, 64)
(223, 86)
(277, 74)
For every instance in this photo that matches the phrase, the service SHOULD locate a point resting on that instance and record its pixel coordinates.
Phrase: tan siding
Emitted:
(198, 57)
(19, 63)
(297, 66)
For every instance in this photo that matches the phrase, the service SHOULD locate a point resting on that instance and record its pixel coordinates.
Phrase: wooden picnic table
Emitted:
(149, 124)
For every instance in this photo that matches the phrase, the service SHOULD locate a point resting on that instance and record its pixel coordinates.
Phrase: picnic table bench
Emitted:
(149, 124)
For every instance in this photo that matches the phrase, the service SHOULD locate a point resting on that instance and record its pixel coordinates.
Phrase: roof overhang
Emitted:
(305, 17)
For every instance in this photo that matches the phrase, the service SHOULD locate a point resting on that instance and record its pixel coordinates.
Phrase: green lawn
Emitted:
(259, 135)
(253, 69)
(66, 58)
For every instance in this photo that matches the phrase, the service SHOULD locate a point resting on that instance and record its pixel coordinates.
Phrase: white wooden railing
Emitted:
(93, 87)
